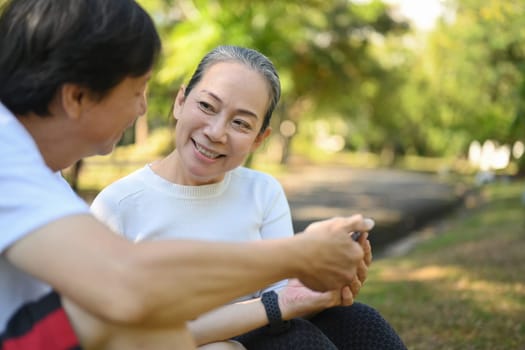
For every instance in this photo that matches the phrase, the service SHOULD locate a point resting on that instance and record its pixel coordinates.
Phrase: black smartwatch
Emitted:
(276, 323)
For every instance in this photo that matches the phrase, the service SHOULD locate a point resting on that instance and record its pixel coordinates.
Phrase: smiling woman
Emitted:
(201, 191)
(219, 123)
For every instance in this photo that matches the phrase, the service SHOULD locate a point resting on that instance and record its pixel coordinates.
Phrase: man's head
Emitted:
(96, 44)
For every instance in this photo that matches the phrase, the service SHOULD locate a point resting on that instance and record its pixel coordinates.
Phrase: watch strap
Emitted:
(276, 323)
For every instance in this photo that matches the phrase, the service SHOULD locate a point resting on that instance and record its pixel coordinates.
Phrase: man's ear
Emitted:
(260, 138)
(179, 102)
(73, 98)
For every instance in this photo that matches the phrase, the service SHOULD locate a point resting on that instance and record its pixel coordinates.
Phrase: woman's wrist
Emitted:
(276, 323)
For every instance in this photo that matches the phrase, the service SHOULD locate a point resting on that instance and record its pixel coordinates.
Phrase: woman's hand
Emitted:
(296, 300)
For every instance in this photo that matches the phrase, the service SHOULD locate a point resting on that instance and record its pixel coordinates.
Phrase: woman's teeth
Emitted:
(205, 152)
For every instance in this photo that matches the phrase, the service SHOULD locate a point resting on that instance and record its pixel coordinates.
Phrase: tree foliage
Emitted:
(476, 70)
(322, 49)
(361, 69)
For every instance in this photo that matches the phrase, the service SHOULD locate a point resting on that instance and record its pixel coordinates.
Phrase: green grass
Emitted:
(463, 286)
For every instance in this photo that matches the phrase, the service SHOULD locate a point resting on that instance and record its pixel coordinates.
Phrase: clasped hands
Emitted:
(297, 300)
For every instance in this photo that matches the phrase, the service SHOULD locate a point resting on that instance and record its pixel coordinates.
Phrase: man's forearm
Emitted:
(163, 283)
(94, 333)
(208, 274)
(149, 283)
(213, 288)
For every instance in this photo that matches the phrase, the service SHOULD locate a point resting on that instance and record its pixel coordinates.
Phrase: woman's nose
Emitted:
(216, 130)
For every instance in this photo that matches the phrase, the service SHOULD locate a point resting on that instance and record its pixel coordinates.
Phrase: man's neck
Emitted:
(52, 137)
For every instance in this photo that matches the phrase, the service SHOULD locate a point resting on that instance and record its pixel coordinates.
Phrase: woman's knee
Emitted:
(358, 326)
(357, 312)
(302, 334)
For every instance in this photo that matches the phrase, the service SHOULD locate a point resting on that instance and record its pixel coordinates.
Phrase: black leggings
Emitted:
(356, 327)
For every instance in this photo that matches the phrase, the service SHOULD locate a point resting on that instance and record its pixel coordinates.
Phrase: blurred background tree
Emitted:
(356, 76)
(478, 72)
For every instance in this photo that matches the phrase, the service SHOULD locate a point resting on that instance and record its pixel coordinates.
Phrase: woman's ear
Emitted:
(260, 138)
(179, 102)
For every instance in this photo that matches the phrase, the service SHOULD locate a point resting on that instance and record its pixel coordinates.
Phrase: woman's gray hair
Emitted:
(252, 59)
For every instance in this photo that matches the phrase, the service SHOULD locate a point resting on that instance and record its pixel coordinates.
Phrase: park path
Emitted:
(399, 201)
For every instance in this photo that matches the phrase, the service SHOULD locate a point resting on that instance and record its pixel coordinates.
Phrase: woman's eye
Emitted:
(205, 106)
(242, 124)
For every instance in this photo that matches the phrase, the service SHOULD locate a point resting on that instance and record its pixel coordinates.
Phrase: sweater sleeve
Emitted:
(277, 221)
(105, 208)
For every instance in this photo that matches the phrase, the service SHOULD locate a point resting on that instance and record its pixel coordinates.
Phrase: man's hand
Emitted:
(349, 293)
(333, 258)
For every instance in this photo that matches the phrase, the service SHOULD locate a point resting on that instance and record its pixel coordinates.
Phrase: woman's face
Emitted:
(218, 123)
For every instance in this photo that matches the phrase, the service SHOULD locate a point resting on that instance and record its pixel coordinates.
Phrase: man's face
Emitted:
(107, 119)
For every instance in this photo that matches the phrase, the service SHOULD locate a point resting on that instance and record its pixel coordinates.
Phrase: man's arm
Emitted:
(96, 334)
(169, 282)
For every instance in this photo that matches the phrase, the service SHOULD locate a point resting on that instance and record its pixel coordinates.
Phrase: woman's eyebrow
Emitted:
(241, 110)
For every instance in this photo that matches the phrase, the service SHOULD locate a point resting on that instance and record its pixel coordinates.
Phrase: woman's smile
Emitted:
(218, 122)
(205, 151)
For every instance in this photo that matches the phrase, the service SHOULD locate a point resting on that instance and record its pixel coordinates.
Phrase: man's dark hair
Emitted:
(94, 43)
